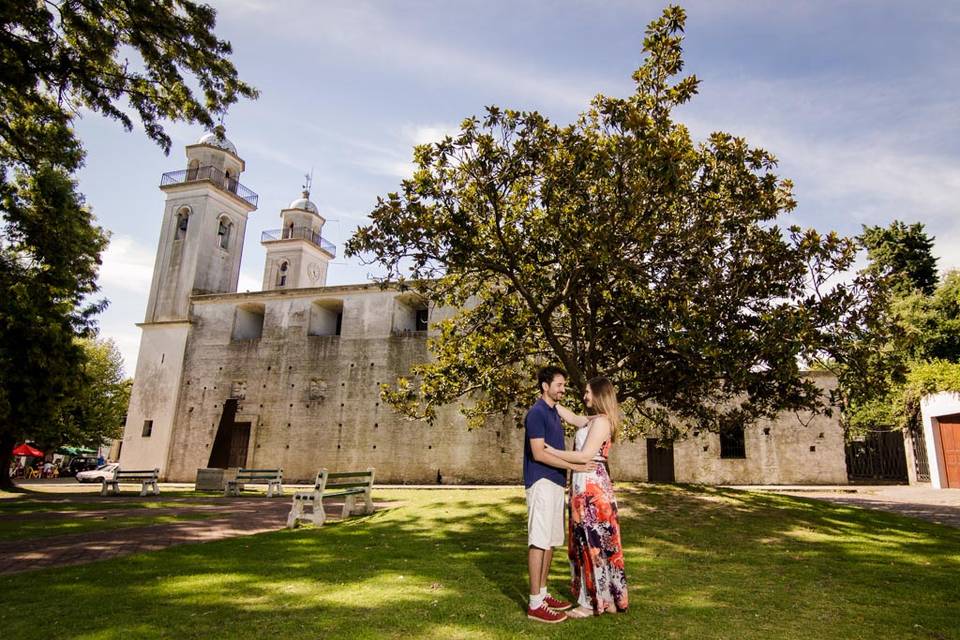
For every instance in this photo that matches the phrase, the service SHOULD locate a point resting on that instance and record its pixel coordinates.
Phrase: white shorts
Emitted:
(545, 500)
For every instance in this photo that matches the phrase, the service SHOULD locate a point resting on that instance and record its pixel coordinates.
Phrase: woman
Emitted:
(596, 554)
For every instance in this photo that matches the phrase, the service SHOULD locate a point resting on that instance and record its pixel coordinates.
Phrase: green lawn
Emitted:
(702, 563)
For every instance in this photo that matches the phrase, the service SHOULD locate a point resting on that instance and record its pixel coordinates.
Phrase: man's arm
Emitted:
(541, 455)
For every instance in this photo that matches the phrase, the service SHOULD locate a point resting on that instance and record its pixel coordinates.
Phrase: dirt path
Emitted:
(239, 517)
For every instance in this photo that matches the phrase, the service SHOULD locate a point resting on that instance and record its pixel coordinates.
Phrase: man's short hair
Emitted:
(547, 374)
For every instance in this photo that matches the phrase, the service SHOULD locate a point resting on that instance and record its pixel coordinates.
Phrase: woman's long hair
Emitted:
(605, 402)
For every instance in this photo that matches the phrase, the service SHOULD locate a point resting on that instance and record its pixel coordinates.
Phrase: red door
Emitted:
(950, 440)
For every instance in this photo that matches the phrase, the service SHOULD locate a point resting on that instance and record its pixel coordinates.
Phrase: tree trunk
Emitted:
(6, 450)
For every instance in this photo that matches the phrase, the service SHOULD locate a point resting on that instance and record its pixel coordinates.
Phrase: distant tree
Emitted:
(932, 322)
(97, 405)
(114, 58)
(615, 246)
(904, 252)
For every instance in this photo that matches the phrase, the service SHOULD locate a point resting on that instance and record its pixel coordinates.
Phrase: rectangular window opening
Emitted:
(326, 318)
(248, 323)
(732, 444)
(147, 428)
(422, 319)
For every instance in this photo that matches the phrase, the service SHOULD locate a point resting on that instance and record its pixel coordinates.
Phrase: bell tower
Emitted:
(204, 220)
(201, 242)
(297, 254)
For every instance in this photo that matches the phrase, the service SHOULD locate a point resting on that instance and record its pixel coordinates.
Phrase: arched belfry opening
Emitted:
(182, 221)
(224, 233)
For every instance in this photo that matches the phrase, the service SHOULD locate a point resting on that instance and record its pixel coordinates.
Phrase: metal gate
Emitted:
(879, 456)
(920, 461)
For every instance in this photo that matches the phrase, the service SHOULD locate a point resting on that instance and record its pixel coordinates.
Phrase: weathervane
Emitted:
(308, 177)
(221, 129)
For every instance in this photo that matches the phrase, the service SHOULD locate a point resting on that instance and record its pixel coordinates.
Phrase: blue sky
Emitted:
(858, 100)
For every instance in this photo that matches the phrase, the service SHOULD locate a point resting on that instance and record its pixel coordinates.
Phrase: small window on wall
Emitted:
(282, 274)
(223, 234)
(410, 315)
(732, 444)
(183, 219)
(326, 318)
(248, 322)
(421, 320)
(147, 428)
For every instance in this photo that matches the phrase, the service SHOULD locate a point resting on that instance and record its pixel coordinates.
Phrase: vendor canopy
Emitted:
(75, 451)
(27, 450)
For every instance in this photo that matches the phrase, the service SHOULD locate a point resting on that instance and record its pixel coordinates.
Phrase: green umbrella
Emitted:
(75, 451)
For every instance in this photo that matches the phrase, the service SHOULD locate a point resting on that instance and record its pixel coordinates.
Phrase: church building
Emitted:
(289, 377)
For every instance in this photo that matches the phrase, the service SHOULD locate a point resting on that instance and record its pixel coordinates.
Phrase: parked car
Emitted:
(78, 464)
(98, 474)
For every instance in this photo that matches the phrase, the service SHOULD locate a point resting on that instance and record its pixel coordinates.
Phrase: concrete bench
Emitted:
(348, 485)
(146, 477)
(273, 478)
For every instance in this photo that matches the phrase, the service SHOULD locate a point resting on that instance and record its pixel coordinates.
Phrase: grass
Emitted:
(701, 563)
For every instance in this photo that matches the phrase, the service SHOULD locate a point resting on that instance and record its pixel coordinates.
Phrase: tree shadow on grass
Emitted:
(701, 562)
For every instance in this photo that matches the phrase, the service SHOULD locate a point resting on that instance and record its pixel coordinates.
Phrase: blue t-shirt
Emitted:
(542, 421)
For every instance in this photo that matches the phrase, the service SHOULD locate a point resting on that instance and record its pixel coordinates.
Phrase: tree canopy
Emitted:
(619, 246)
(144, 60)
(95, 406)
(905, 252)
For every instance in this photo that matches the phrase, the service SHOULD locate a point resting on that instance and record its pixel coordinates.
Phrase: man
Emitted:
(545, 477)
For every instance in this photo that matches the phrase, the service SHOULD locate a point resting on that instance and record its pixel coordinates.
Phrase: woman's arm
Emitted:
(538, 448)
(598, 434)
(570, 417)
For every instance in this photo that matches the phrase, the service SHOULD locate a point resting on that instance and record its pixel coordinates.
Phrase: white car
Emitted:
(98, 474)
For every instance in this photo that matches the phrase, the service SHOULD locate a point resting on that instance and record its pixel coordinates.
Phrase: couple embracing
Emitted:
(598, 581)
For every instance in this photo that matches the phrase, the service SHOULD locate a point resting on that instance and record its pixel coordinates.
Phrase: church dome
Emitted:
(304, 203)
(216, 138)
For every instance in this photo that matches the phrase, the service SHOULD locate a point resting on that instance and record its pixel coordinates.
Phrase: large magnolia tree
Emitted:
(617, 246)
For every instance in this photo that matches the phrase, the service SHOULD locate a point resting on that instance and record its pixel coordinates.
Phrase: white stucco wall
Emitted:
(155, 393)
(937, 404)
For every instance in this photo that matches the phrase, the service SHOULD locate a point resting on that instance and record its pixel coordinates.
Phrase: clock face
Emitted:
(314, 271)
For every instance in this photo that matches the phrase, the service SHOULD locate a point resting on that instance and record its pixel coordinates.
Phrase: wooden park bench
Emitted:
(272, 477)
(146, 477)
(345, 484)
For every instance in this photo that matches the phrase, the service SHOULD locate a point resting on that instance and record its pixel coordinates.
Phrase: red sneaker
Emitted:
(557, 605)
(543, 613)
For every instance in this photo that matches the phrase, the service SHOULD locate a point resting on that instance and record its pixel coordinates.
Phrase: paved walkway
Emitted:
(919, 501)
(240, 517)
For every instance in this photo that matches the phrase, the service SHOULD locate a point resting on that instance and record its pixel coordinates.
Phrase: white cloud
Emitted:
(428, 133)
(366, 30)
(127, 265)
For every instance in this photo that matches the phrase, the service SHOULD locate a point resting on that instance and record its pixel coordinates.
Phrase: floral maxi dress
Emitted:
(596, 554)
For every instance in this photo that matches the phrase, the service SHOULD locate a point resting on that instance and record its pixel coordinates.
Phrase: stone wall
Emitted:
(313, 402)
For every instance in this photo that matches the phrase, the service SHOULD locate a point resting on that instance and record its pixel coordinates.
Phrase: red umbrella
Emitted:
(27, 450)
